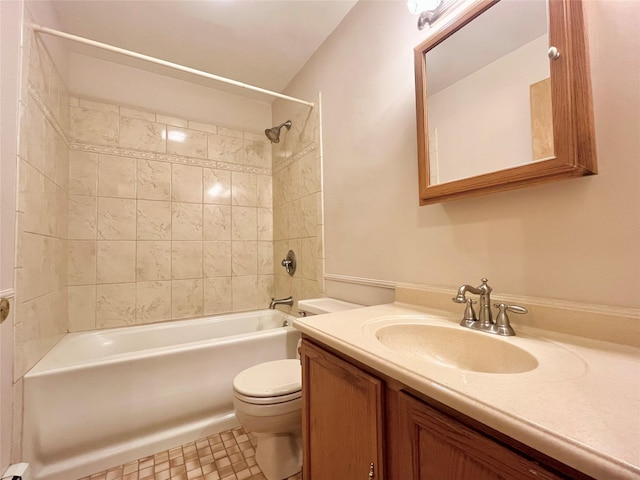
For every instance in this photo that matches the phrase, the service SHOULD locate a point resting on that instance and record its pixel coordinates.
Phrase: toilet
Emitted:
(267, 399)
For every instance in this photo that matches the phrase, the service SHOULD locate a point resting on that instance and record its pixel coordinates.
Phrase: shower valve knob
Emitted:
(289, 263)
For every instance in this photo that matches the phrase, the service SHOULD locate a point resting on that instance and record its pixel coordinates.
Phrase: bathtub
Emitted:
(103, 398)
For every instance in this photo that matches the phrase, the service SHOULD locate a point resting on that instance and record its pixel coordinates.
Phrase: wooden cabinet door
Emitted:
(435, 446)
(341, 420)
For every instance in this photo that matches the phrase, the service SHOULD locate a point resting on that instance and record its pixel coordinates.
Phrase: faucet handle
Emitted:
(502, 325)
(469, 317)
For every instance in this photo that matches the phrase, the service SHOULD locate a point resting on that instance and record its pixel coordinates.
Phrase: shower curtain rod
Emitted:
(158, 61)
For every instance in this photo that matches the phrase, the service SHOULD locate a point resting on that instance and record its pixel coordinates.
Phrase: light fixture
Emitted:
(429, 10)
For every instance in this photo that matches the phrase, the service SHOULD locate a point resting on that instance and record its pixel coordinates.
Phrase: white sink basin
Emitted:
(456, 347)
(420, 343)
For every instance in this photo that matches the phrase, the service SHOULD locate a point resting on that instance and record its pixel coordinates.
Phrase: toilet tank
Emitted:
(319, 306)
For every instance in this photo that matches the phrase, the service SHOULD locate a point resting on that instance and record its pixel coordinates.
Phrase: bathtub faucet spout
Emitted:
(281, 301)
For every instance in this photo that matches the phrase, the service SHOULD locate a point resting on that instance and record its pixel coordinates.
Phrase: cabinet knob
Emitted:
(371, 471)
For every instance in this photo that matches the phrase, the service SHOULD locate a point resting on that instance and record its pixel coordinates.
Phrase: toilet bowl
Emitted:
(267, 399)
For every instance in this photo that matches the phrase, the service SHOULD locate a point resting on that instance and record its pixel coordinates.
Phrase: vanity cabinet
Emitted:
(440, 448)
(342, 418)
(354, 417)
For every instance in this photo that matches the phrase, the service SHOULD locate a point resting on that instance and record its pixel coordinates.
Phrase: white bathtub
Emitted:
(103, 398)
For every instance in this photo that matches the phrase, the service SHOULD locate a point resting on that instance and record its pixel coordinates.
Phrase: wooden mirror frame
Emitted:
(572, 111)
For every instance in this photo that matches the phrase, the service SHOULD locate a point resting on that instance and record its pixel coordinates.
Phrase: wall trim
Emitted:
(369, 282)
(296, 156)
(8, 293)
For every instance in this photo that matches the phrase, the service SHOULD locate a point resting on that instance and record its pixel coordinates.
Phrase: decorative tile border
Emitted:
(167, 158)
(48, 114)
(296, 156)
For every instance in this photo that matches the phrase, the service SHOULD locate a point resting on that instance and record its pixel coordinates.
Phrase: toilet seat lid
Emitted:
(270, 379)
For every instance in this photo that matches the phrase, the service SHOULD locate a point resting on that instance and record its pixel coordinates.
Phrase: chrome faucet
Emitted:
(281, 301)
(485, 321)
(484, 290)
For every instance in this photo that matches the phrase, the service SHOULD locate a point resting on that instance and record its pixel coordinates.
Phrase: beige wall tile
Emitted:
(115, 305)
(116, 176)
(186, 183)
(216, 186)
(187, 298)
(153, 220)
(154, 251)
(186, 259)
(31, 280)
(93, 126)
(244, 223)
(31, 199)
(307, 259)
(309, 174)
(153, 301)
(265, 258)
(135, 113)
(153, 261)
(309, 208)
(217, 222)
(82, 307)
(225, 149)
(244, 190)
(217, 295)
(203, 127)
(154, 180)
(230, 132)
(265, 290)
(264, 189)
(217, 258)
(173, 121)
(82, 217)
(294, 221)
(186, 221)
(265, 224)
(291, 182)
(32, 134)
(83, 173)
(98, 106)
(116, 219)
(185, 142)
(142, 135)
(245, 293)
(310, 289)
(280, 222)
(116, 261)
(257, 154)
(81, 269)
(244, 258)
(56, 158)
(256, 137)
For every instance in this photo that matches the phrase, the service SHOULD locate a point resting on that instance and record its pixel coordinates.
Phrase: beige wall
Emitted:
(297, 201)
(576, 239)
(168, 218)
(125, 85)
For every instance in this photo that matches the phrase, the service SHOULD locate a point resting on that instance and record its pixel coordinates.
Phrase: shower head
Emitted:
(273, 134)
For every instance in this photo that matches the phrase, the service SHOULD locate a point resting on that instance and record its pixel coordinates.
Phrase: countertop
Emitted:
(581, 405)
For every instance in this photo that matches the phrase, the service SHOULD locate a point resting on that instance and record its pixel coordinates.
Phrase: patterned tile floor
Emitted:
(229, 455)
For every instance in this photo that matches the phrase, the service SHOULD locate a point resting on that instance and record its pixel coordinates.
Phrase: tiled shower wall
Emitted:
(168, 218)
(41, 243)
(297, 205)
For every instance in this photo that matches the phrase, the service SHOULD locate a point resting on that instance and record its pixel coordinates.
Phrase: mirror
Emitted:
(494, 110)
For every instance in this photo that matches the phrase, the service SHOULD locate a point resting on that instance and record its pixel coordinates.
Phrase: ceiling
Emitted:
(260, 42)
